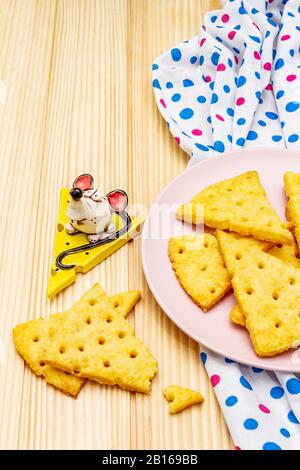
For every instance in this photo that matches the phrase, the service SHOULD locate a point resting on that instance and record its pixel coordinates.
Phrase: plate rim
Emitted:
(158, 298)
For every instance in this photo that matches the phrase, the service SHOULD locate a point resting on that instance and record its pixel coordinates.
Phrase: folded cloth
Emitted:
(237, 85)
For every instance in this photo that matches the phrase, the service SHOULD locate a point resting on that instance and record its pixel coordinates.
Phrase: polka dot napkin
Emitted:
(237, 85)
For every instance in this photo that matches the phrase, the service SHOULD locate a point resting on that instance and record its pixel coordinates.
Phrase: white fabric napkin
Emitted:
(237, 85)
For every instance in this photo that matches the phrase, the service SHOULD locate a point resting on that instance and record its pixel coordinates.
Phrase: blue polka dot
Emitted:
(213, 18)
(193, 59)
(258, 94)
(187, 82)
(156, 84)
(186, 113)
(278, 64)
(276, 138)
(250, 424)
(240, 141)
(254, 11)
(237, 27)
(201, 60)
(176, 97)
(209, 119)
(229, 137)
(154, 67)
(257, 370)
(292, 52)
(231, 401)
(214, 98)
(230, 111)
(241, 81)
(257, 74)
(292, 106)
(271, 446)
(203, 356)
(271, 115)
(226, 88)
(230, 63)
(219, 146)
(202, 147)
(241, 121)
(293, 138)
(276, 392)
(219, 39)
(242, 11)
(211, 85)
(226, 359)
(169, 85)
(236, 50)
(285, 432)
(201, 99)
(293, 386)
(244, 381)
(279, 94)
(292, 418)
(176, 54)
(282, 124)
(262, 123)
(215, 58)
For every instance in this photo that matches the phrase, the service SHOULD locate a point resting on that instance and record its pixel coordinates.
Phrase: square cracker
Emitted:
(30, 339)
(239, 205)
(268, 292)
(292, 190)
(99, 344)
(199, 267)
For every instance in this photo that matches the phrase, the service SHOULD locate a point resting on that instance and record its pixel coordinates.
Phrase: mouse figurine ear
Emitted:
(118, 200)
(84, 182)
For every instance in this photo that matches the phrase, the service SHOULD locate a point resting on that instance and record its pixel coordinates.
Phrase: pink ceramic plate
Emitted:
(214, 328)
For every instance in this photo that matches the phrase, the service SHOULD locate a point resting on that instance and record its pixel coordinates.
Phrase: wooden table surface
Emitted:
(76, 96)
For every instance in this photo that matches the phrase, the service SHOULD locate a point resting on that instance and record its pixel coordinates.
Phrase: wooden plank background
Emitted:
(75, 96)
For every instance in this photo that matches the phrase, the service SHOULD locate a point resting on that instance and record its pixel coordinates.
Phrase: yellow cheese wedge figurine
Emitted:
(90, 228)
(181, 398)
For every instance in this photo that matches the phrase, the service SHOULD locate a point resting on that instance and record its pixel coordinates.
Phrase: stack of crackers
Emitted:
(252, 251)
(93, 340)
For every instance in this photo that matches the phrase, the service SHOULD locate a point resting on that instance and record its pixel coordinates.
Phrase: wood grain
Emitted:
(75, 96)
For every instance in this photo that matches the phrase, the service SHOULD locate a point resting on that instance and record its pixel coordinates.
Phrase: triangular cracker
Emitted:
(181, 398)
(200, 269)
(238, 205)
(292, 190)
(268, 292)
(30, 339)
(99, 344)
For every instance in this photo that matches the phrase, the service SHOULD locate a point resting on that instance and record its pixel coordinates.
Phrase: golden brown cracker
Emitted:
(292, 190)
(268, 292)
(200, 269)
(99, 344)
(181, 398)
(239, 205)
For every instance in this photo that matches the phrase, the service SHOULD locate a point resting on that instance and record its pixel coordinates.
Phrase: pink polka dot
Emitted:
(225, 18)
(221, 67)
(202, 41)
(240, 101)
(291, 78)
(267, 66)
(236, 60)
(215, 379)
(177, 140)
(256, 55)
(269, 87)
(264, 409)
(218, 116)
(207, 79)
(237, 448)
(285, 37)
(162, 102)
(256, 26)
(231, 34)
(197, 132)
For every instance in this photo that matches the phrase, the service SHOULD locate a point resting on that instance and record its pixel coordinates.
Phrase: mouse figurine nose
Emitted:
(76, 193)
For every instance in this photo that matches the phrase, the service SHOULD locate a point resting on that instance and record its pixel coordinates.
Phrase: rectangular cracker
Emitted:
(292, 190)
(239, 205)
(97, 343)
(199, 267)
(268, 292)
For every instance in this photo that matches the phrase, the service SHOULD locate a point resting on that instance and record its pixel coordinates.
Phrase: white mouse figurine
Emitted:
(90, 212)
